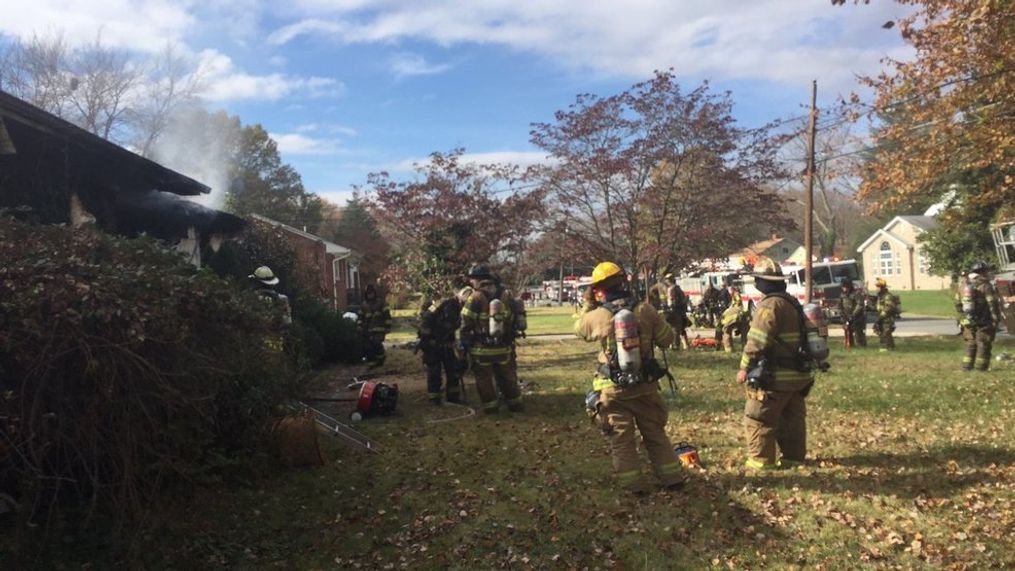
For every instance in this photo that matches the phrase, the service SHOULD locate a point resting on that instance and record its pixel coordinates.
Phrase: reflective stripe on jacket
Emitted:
(775, 316)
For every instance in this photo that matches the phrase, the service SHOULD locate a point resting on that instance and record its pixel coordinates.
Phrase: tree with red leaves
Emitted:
(656, 178)
(454, 214)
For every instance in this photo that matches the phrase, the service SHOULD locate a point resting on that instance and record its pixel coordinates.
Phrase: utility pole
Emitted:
(560, 289)
(809, 204)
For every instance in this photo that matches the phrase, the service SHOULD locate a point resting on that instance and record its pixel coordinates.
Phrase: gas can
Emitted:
(625, 329)
(688, 455)
(496, 319)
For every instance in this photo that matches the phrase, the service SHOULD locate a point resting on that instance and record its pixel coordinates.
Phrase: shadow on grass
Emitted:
(940, 472)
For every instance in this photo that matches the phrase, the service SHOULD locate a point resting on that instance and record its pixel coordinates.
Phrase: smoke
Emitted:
(203, 146)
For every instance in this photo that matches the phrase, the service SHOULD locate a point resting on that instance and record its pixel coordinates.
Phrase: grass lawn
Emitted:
(934, 302)
(542, 321)
(914, 466)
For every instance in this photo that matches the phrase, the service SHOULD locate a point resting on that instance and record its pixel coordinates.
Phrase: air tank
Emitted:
(817, 331)
(496, 319)
(625, 329)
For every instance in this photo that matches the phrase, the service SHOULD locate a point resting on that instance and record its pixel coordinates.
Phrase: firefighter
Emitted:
(627, 377)
(264, 281)
(852, 307)
(734, 320)
(439, 319)
(710, 300)
(888, 310)
(979, 316)
(676, 312)
(775, 414)
(374, 323)
(488, 325)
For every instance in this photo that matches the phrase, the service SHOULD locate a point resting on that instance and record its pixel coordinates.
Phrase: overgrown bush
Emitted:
(319, 334)
(123, 370)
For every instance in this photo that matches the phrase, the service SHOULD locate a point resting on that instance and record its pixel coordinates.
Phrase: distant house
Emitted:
(894, 254)
(780, 249)
(67, 175)
(333, 268)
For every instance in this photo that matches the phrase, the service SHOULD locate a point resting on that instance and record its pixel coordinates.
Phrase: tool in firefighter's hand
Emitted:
(669, 375)
(688, 455)
(594, 412)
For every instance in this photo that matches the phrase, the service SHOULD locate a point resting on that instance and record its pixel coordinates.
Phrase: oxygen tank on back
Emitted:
(817, 331)
(625, 329)
(496, 327)
(968, 297)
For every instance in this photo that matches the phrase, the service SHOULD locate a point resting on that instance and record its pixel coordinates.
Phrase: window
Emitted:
(923, 263)
(885, 259)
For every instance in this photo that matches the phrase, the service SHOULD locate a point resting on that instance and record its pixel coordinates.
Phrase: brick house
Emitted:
(894, 254)
(332, 268)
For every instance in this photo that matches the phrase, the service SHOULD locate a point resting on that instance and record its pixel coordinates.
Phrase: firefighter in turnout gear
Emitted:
(439, 319)
(852, 309)
(775, 414)
(487, 336)
(735, 320)
(888, 310)
(374, 323)
(627, 377)
(979, 315)
(264, 281)
(667, 297)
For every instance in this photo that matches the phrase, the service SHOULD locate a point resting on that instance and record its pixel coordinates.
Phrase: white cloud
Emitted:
(338, 197)
(144, 25)
(409, 64)
(332, 128)
(299, 144)
(226, 83)
(790, 41)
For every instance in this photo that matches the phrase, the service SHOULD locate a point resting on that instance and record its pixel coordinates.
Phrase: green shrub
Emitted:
(124, 371)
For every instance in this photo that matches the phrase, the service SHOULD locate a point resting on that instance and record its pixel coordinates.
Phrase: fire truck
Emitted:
(1004, 241)
(826, 279)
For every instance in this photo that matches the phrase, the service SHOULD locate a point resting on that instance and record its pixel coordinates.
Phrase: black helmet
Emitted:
(978, 268)
(479, 272)
(847, 284)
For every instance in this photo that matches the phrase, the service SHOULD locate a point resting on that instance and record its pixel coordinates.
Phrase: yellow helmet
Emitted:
(880, 282)
(605, 270)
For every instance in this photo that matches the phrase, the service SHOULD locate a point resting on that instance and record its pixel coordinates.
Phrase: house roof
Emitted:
(881, 232)
(919, 221)
(329, 247)
(168, 216)
(115, 166)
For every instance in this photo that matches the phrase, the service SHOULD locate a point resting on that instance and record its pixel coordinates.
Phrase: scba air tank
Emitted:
(817, 331)
(625, 329)
(968, 298)
(496, 319)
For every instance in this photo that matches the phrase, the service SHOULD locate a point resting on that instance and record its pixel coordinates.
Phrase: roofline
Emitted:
(879, 231)
(327, 245)
(24, 112)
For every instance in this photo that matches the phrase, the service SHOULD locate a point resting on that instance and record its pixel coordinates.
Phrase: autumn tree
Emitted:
(657, 178)
(453, 214)
(952, 109)
(354, 226)
(263, 184)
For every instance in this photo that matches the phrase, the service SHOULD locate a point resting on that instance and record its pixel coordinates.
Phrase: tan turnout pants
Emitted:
(639, 408)
(506, 379)
(775, 418)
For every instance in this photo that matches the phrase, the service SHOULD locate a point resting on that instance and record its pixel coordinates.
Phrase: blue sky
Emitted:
(348, 87)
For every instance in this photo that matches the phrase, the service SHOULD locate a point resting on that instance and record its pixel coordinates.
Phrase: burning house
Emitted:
(67, 175)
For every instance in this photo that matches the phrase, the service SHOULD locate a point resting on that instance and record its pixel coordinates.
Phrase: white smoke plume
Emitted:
(202, 146)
